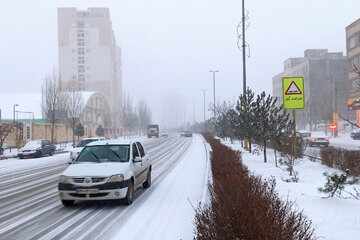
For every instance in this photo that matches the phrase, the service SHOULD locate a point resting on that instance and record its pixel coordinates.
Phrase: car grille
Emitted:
(93, 180)
(77, 195)
(90, 195)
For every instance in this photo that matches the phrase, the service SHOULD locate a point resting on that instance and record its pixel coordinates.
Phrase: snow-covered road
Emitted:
(31, 209)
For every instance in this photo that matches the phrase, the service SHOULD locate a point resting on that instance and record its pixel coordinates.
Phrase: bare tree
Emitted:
(6, 129)
(144, 115)
(128, 114)
(74, 104)
(53, 101)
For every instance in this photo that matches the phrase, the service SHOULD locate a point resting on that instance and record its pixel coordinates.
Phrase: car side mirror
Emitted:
(137, 159)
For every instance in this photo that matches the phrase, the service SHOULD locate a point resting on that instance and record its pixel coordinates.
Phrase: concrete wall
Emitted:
(62, 133)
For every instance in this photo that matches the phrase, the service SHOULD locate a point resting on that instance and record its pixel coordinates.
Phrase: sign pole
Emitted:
(294, 136)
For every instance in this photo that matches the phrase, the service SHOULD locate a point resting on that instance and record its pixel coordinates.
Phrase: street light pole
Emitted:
(214, 90)
(15, 105)
(204, 90)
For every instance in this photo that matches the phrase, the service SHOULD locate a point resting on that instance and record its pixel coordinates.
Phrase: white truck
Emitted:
(152, 130)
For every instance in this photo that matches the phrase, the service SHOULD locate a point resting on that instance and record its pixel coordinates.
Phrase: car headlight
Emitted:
(64, 179)
(116, 178)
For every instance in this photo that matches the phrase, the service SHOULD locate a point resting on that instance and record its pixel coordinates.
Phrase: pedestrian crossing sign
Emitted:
(293, 92)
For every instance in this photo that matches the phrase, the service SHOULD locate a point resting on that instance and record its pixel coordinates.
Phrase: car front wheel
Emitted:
(129, 194)
(38, 154)
(51, 152)
(67, 202)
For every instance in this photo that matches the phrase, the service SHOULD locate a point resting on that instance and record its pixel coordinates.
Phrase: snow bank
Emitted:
(333, 218)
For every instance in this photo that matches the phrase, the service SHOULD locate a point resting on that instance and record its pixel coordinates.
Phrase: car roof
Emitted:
(112, 142)
(317, 134)
(93, 138)
(304, 131)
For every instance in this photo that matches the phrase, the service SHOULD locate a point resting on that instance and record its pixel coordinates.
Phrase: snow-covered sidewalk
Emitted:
(168, 212)
(333, 218)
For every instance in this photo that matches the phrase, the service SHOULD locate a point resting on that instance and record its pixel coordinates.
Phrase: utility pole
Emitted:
(214, 71)
(244, 64)
(243, 47)
(204, 90)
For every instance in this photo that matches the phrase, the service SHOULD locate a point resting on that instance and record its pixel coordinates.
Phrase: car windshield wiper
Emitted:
(95, 156)
(115, 153)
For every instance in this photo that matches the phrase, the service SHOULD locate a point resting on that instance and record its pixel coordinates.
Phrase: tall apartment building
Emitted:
(325, 85)
(88, 54)
(173, 111)
(353, 60)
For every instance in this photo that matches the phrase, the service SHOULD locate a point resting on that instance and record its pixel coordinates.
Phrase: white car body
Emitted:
(76, 150)
(318, 139)
(105, 179)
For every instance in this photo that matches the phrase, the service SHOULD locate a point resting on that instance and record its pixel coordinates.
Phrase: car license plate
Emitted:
(90, 190)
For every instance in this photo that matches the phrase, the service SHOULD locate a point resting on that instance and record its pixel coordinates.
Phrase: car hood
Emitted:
(95, 169)
(28, 148)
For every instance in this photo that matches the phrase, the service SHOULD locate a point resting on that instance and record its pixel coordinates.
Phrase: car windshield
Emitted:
(83, 142)
(33, 144)
(104, 153)
(318, 134)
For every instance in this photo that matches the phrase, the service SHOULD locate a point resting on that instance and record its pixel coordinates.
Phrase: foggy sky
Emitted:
(168, 47)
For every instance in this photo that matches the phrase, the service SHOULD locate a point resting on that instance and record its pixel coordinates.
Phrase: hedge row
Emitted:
(243, 206)
(342, 159)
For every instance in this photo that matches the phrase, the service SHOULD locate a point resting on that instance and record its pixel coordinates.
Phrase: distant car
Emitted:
(106, 170)
(3, 147)
(188, 133)
(182, 134)
(305, 133)
(355, 134)
(37, 148)
(318, 139)
(164, 134)
(81, 144)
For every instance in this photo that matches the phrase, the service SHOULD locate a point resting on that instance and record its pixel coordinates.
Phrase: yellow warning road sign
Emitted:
(335, 118)
(293, 92)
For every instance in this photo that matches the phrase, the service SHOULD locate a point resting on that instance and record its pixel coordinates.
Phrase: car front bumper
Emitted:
(106, 191)
(27, 154)
(319, 143)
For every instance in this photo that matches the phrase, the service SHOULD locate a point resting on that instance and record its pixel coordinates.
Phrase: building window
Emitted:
(81, 60)
(352, 42)
(81, 43)
(81, 77)
(83, 14)
(81, 51)
(80, 24)
(80, 33)
(81, 68)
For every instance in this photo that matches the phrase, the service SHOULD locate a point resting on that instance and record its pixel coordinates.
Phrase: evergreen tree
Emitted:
(79, 131)
(100, 131)
(265, 106)
(246, 118)
(335, 183)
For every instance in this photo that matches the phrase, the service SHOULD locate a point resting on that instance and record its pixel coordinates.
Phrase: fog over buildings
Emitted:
(168, 47)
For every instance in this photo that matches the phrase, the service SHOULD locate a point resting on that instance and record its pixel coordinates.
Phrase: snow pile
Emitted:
(333, 218)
